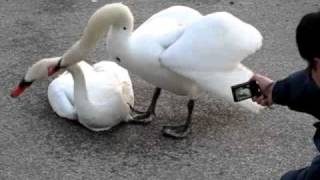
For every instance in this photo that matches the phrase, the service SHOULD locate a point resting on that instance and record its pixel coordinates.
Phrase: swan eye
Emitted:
(118, 59)
(124, 28)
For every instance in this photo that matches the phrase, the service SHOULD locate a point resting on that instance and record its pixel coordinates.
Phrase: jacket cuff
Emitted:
(281, 93)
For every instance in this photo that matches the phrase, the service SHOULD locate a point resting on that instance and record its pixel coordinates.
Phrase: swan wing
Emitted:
(210, 52)
(214, 42)
(60, 96)
(165, 27)
(220, 82)
(168, 18)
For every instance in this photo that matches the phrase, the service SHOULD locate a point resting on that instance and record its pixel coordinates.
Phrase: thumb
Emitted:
(257, 77)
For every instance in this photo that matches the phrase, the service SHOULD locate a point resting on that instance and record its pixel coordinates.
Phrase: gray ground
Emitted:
(226, 142)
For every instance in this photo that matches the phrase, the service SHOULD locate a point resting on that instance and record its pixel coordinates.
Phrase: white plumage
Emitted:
(97, 96)
(177, 49)
(182, 51)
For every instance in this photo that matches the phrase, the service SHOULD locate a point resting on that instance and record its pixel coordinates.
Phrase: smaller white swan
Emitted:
(98, 96)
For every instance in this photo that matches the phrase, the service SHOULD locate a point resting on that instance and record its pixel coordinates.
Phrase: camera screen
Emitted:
(243, 93)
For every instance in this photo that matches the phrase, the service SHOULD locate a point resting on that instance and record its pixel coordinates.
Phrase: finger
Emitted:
(257, 98)
(257, 77)
(268, 103)
(265, 102)
(253, 78)
(260, 98)
(262, 101)
(254, 99)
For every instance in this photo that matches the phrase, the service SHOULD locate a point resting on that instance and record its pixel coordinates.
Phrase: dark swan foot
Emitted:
(177, 132)
(144, 118)
(134, 111)
(139, 117)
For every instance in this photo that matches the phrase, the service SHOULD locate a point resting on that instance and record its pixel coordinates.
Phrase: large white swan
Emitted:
(98, 96)
(177, 49)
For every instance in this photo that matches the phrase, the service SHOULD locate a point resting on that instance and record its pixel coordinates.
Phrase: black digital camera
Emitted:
(245, 91)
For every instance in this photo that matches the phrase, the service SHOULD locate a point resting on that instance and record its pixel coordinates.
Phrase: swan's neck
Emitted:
(117, 16)
(80, 87)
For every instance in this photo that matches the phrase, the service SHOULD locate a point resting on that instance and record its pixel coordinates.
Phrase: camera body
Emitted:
(245, 91)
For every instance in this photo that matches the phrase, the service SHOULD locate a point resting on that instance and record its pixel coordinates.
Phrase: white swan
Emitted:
(176, 49)
(98, 96)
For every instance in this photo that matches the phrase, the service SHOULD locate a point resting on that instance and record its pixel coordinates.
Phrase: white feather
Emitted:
(109, 91)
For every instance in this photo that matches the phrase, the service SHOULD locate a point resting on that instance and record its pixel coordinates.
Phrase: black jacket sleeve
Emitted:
(299, 92)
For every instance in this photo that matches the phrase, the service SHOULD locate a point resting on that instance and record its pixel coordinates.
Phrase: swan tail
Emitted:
(220, 83)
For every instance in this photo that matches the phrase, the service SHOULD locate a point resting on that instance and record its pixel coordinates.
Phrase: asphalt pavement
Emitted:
(226, 142)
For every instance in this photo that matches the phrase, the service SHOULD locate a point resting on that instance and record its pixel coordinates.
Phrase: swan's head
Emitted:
(40, 70)
(125, 19)
(119, 14)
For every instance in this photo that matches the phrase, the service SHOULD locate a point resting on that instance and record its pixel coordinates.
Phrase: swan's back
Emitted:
(166, 25)
(105, 84)
(217, 41)
(119, 76)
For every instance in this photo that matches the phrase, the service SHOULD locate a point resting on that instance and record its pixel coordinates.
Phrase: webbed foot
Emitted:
(177, 132)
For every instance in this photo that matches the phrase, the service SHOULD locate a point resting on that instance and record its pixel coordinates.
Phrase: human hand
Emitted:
(266, 86)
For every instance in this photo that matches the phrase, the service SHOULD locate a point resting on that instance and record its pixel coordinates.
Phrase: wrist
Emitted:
(268, 90)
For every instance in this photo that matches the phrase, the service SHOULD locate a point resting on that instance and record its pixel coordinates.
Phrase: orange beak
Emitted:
(23, 85)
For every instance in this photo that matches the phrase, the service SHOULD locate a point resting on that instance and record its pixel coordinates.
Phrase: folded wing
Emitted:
(210, 52)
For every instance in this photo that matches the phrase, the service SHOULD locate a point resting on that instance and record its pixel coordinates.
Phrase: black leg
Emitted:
(146, 117)
(182, 130)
